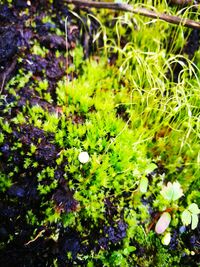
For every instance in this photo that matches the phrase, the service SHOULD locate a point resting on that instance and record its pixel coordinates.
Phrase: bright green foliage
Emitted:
(5, 182)
(166, 239)
(143, 185)
(193, 208)
(133, 121)
(190, 215)
(172, 192)
(186, 217)
(38, 50)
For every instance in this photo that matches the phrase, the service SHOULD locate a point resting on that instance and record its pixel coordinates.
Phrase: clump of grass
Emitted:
(167, 110)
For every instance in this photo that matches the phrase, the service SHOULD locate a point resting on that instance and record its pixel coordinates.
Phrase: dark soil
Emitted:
(23, 196)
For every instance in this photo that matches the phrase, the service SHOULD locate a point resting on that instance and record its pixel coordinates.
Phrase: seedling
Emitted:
(190, 216)
(172, 191)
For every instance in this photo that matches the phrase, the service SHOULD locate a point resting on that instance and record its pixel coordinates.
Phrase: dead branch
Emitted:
(141, 11)
(181, 2)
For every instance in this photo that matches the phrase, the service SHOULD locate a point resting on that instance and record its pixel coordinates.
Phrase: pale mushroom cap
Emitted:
(83, 157)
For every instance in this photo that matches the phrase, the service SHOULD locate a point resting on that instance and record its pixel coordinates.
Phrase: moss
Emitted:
(136, 124)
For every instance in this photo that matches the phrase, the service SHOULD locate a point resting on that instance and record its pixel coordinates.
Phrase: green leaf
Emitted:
(186, 217)
(90, 264)
(195, 221)
(163, 223)
(194, 209)
(128, 250)
(172, 192)
(151, 167)
(167, 191)
(143, 185)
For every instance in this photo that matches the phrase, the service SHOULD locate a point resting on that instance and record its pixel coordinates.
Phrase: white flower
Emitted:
(83, 157)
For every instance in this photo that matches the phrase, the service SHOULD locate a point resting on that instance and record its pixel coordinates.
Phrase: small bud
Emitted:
(83, 157)
(166, 239)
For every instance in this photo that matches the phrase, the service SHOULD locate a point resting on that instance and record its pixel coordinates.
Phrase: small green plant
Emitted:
(143, 186)
(5, 182)
(190, 215)
(171, 193)
(37, 49)
(42, 90)
(98, 163)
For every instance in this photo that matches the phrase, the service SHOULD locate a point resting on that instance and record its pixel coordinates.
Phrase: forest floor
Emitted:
(36, 194)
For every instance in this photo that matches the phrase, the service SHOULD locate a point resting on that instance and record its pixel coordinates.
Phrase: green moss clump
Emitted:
(140, 129)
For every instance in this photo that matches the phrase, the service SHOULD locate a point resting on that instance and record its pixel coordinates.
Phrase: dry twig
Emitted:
(37, 236)
(141, 11)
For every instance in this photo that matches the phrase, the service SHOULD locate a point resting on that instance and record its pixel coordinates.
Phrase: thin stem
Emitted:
(67, 54)
(141, 11)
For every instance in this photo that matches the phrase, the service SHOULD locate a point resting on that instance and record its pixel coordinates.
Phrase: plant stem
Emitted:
(141, 11)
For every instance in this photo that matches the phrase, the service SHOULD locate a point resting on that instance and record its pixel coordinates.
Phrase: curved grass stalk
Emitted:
(101, 31)
(67, 50)
(158, 102)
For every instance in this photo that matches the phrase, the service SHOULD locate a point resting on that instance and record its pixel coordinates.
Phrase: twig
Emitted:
(37, 236)
(5, 76)
(3, 82)
(141, 11)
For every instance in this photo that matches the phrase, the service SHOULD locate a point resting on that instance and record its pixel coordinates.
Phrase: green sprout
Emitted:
(190, 215)
(172, 191)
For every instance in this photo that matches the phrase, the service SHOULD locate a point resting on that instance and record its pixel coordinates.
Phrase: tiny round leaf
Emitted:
(193, 208)
(143, 185)
(186, 217)
(195, 221)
